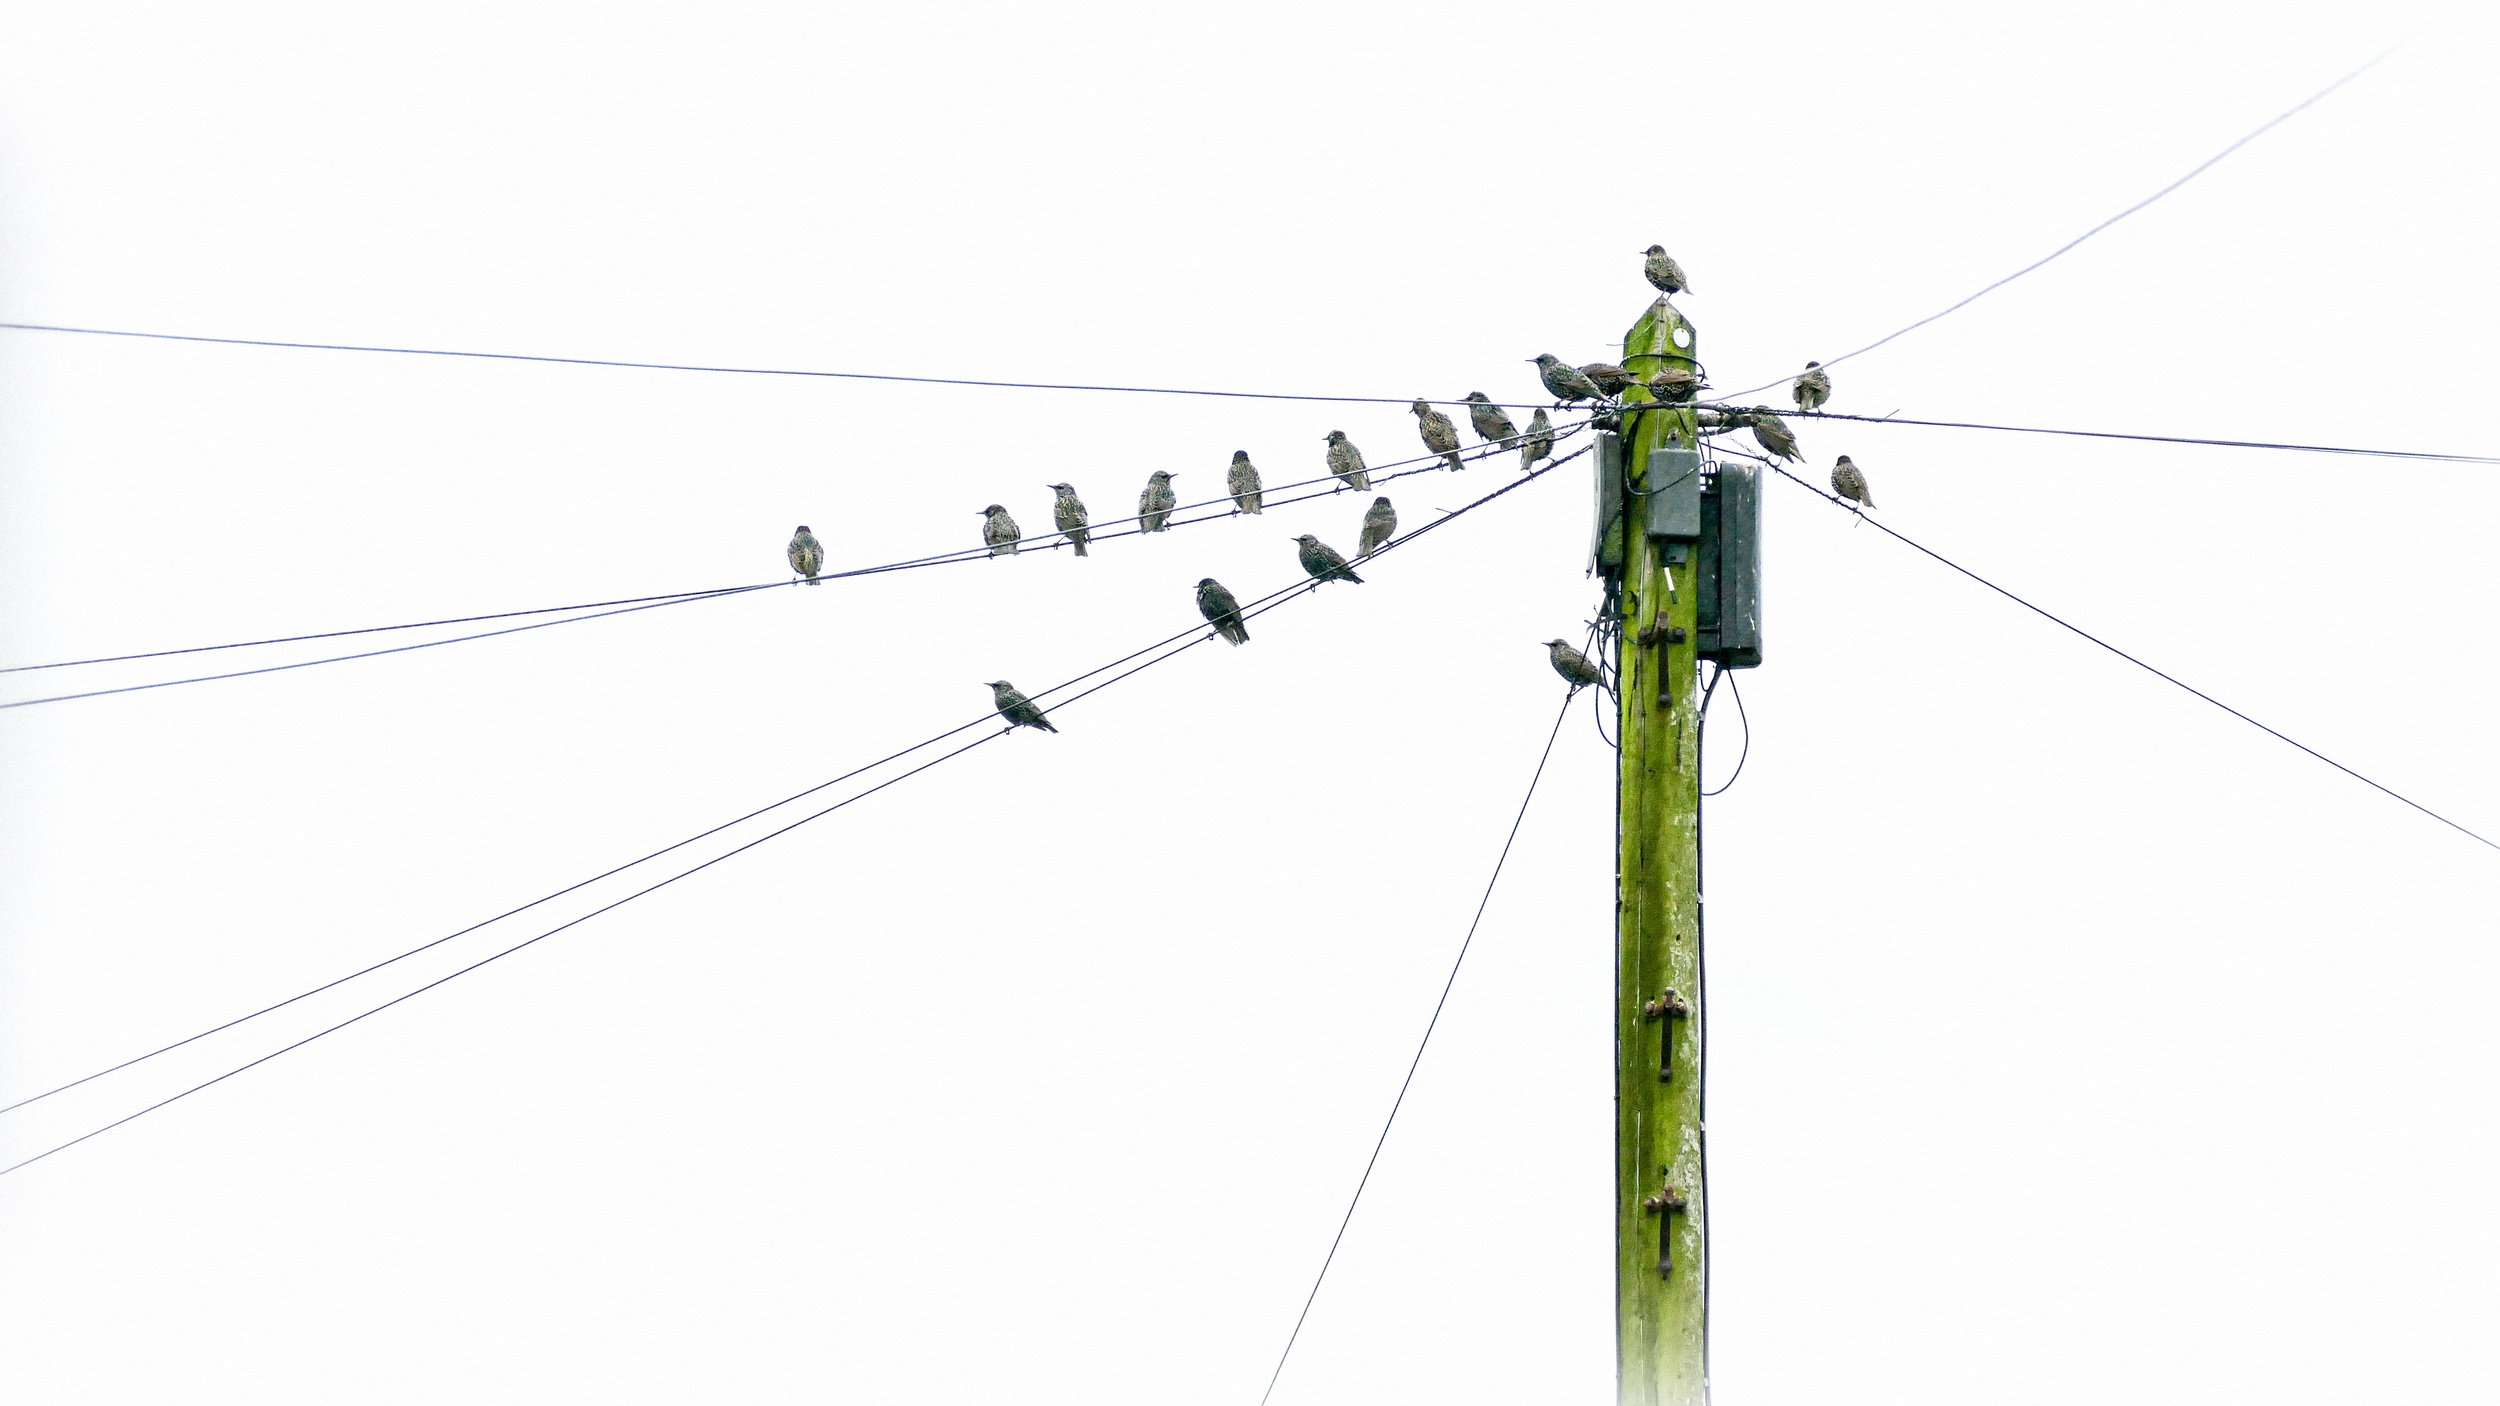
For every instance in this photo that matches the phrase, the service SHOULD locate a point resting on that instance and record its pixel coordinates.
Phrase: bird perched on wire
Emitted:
(1017, 709)
(1772, 433)
(1069, 513)
(1242, 481)
(1493, 426)
(1154, 506)
(1608, 377)
(1221, 610)
(1573, 665)
(1440, 436)
(1675, 385)
(1812, 387)
(1000, 531)
(1379, 525)
(1565, 382)
(1346, 462)
(1539, 442)
(1323, 562)
(1851, 484)
(806, 557)
(1665, 274)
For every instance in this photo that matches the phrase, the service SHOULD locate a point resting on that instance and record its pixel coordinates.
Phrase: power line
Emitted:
(2166, 678)
(1111, 530)
(727, 370)
(2200, 168)
(1185, 640)
(1570, 697)
(2416, 454)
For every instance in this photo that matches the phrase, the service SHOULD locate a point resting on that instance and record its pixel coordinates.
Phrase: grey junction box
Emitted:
(1728, 567)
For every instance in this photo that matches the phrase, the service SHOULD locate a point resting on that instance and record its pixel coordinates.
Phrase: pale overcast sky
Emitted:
(2072, 1040)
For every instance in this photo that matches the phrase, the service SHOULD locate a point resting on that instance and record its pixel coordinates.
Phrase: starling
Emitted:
(1539, 443)
(1609, 378)
(1242, 481)
(1221, 610)
(1675, 385)
(1069, 513)
(1812, 387)
(1017, 709)
(1492, 425)
(1440, 436)
(1665, 274)
(806, 557)
(1565, 382)
(1154, 506)
(1771, 432)
(1572, 665)
(1379, 525)
(1346, 461)
(1850, 484)
(1000, 531)
(1322, 561)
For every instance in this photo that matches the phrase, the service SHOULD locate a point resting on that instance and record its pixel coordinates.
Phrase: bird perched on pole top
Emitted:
(806, 557)
(1017, 709)
(1221, 610)
(1492, 424)
(1608, 377)
(1566, 382)
(1440, 436)
(1772, 433)
(1323, 562)
(1573, 665)
(1242, 481)
(1539, 443)
(1851, 484)
(1675, 385)
(1379, 525)
(1665, 274)
(1812, 387)
(1000, 531)
(1154, 506)
(1346, 461)
(1069, 513)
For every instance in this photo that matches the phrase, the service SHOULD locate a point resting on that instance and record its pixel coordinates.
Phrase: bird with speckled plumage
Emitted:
(1850, 483)
(1564, 380)
(1440, 436)
(1017, 709)
(1324, 562)
(1379, 525)
(1221, 610)
(807, 557)
(1000, 531)
(1346, 462)
(1573, 665)
(1068, 512)
(1242, 482)
(1154, 506)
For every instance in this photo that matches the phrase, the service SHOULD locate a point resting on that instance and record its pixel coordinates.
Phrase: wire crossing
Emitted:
(1109, 530)
(1430, 1025)
(2414, 454)
(1170, 647)
(2156, 673)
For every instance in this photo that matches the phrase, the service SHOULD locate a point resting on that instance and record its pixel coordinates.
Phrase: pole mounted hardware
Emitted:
(1666, 1206)
(1666, 1010)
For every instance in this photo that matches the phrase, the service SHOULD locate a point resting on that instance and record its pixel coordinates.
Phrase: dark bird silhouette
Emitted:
(1573, 665)
(1608, 377)
(1323, 562)
(1812, 387)
(1346, 461)
(1069, 513)
(1000, 531)
(1772, 433)
(1492, 424)
(1665, 274)
(1242, 481)
(1154, 506)
(1379, 525)
(1221, 610)
(1849, 483)
(1440, 436)
(1565, 382)
(1017, 709)
(806, 557)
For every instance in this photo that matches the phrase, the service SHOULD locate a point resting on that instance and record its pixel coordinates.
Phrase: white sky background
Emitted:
(2071, 1039)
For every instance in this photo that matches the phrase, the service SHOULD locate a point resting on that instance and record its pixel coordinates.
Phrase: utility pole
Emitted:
(1659, 1347)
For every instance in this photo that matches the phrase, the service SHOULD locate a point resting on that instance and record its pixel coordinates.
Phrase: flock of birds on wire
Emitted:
(1600, 382)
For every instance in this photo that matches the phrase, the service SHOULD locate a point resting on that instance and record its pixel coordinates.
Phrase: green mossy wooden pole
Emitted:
(1658, 1316)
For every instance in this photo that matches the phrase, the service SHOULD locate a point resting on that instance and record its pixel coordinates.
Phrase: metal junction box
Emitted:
(1671, 493)
(1728, 560)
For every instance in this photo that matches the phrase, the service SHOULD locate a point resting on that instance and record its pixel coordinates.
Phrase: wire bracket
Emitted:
(1666, 1205)
(1666, 1010)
